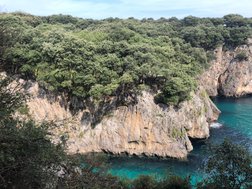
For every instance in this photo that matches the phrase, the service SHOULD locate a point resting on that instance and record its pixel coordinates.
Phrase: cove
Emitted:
(236, 118)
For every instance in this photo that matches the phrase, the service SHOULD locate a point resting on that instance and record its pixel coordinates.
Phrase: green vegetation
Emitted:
(92, 61)
(28, 159)
(177, 133)
(242, 56)
(172, 182)
(230, 166)
(96, 59)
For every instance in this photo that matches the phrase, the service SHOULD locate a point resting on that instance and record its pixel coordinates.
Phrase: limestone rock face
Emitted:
(237, 79)
(141, 129)
(228, 76)
(210, 78)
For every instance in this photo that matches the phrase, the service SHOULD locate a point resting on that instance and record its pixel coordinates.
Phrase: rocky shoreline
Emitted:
(146, 128)
(229, 76)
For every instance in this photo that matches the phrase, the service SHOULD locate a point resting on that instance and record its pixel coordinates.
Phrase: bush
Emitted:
(144, 182)
(171, 182)
(175, 182)
(242, 56)
(228, 167)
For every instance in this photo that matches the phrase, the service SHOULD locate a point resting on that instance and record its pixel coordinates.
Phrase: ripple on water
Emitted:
(216, 125)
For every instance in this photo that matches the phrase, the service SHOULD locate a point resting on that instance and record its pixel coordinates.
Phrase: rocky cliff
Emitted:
(230, 75)
(146, 128)
(141, 129)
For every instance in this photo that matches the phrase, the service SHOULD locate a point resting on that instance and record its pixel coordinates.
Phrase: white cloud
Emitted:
(127, 8)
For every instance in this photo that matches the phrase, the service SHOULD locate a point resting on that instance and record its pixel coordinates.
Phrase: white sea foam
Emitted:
(215, 125)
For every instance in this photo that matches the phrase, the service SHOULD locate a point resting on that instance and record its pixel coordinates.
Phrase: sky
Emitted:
(99, 9)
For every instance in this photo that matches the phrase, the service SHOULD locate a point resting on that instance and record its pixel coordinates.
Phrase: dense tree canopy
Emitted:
(95, 59)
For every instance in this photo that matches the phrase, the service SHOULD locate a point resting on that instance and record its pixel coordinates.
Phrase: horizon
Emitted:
(99, 9)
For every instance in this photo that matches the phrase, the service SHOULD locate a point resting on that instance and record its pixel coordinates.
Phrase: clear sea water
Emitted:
(236, 118)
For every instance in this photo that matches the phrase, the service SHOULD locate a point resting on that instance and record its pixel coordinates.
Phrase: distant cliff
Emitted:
(231, 73)
(141, 129)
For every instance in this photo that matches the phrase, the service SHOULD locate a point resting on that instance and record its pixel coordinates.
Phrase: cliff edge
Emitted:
(230, 74)
(145, 128)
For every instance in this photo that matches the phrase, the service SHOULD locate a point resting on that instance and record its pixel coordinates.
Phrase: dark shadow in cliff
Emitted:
(94, 110)
(231, 98)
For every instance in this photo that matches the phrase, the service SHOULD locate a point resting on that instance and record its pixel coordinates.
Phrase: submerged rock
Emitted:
(145, 128)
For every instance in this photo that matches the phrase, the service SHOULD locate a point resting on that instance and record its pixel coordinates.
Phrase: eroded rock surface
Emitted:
(141, 129)
(229, 76)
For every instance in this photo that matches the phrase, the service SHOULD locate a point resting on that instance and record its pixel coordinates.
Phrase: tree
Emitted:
(92, 174)
(176, 90)
(28, 159)
(11, 98)
(145, 182)
(237, 36)
(63, 19)
(207, 37)
(11, 28)
(191, 21)
(89, 59)
(175, 182)
(228, 167)
(235, 20)
(169, 182)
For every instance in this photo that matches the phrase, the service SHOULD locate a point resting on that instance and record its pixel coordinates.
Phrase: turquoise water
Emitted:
(236, 118)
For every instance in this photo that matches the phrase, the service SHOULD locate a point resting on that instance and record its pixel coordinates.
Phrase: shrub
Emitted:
(228, 167)
(241, 56)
